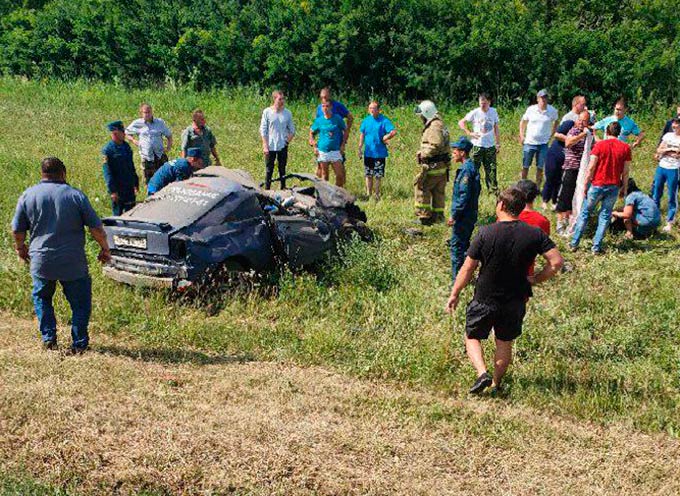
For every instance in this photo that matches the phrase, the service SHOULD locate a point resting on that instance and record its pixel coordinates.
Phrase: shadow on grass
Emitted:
(172, 356)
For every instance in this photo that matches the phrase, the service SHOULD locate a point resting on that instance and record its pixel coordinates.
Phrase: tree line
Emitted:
(394, 49)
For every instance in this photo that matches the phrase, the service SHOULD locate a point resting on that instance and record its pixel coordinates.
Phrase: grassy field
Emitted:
(600, 343)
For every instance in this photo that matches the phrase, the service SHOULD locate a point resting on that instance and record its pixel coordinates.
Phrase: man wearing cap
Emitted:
(537, 125)
(199, 135)
(120, 176)
(464, 204)
(149, 132)
(434, 158)
(176, 170)
(55, 214)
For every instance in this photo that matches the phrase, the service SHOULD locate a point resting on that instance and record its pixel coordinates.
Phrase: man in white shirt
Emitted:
(276, 130)
(485, 138)
(147, 133)
(667, 171)
(537, 125)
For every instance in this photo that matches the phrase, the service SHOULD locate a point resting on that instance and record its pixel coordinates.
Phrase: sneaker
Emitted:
(50, 345)
(482, 382)
(544, 206)
(667, 228)
(598, 252)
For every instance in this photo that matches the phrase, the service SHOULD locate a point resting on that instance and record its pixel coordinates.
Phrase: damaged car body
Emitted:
(221, 219)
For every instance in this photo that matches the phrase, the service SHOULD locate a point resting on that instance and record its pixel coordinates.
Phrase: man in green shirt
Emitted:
(199, 135)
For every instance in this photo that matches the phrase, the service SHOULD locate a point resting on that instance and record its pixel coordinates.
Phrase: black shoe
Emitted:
(497, 391)
(482, 382)
(74, 350)
(426, 221)
(50, 345)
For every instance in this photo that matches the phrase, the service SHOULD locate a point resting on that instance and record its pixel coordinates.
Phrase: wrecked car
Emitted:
(220, 219)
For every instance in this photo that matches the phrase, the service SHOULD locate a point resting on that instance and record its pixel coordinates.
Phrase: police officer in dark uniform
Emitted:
(120, 176)
(464, 204)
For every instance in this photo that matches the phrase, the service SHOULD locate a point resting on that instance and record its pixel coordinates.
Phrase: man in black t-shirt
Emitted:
(505, 251)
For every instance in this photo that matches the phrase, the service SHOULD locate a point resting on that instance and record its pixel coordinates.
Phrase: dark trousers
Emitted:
(124, 203)
(151, 166)
(79, 296)
(460, 242)
(281, 157)
(553, 176)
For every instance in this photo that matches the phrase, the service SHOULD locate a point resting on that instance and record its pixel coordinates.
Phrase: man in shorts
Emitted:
(375, 131)
(537, 125)
(505, 251)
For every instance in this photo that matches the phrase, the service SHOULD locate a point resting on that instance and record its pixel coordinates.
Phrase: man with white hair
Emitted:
(434, 158)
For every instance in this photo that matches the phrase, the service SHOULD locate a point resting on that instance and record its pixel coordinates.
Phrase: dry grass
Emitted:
(122, 419)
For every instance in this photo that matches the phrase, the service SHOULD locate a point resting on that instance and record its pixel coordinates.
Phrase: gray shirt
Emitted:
(275, 127)
(206, 141)
(55, 214)
(150, 136)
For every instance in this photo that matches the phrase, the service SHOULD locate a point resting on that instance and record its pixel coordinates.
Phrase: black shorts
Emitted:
(505, 319)
(374, 167)
(567, 189)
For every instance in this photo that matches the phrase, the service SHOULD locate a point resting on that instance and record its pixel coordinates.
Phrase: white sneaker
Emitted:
(544, 206)
(667, 228)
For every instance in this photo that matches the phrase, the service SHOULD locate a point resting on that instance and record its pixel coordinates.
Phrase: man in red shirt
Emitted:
(529, 215)
(607, 179)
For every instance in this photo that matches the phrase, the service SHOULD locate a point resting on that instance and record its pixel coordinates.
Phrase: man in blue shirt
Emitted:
(176, 170)
(464, 204)
(628, 125)
(337, 108)
(120, 176)
(375, 131)
(640, 215)
(55, 214)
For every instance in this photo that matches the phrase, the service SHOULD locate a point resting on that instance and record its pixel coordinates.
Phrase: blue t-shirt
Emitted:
(55, 214)
(338, 109)
(374, 130)
(645, 210)
(557, 146)
(330, 132)
(628, 126)
(175, 170)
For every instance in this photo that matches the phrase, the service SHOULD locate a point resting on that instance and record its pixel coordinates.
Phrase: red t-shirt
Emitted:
(611, 155)
(535, 219)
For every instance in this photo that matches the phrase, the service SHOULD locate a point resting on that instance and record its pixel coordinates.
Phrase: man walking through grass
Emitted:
(55, 215)
(505, 250)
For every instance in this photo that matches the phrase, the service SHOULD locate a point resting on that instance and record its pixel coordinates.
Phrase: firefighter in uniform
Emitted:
(434, 159)
(464, 203)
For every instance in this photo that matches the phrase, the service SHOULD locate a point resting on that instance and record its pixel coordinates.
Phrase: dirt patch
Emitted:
(121, 419)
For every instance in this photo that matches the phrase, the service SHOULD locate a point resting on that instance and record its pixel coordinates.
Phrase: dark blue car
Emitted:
(220, 219)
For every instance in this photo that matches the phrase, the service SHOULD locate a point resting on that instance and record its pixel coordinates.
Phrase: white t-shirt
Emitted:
(483, 123)
(539, 124)
(672, 140)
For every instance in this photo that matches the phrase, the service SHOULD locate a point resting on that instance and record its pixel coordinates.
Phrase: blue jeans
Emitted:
(670, 178)
(607, 195)
(539, 151)
(79, 296)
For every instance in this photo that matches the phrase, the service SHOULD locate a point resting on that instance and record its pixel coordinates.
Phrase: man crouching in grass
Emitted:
(505, 250)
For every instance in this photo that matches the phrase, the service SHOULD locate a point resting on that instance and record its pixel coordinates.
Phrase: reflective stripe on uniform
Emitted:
(438, 210)
(423, 206)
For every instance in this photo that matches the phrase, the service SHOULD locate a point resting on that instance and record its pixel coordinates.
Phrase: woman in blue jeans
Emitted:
(667, 172)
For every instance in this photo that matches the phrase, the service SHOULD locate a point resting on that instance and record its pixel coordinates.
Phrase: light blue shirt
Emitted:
(55, 214)
(275, 127)
(374, 130)
(150, 137)
(628, 126)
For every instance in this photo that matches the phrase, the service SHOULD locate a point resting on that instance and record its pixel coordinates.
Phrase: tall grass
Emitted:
(600, 343)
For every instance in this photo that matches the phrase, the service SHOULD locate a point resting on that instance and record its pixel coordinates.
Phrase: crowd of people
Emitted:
(584, 172)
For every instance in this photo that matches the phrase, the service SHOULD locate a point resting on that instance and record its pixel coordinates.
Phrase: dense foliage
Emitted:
(393, 48)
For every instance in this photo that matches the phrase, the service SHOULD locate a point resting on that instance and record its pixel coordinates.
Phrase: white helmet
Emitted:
(427, 109)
